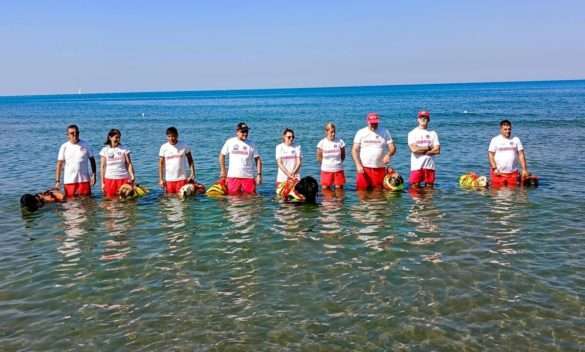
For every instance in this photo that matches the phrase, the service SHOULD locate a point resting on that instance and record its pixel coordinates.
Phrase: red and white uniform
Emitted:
(241, 156)
(116, 168)
(372, 146)
(331, 151)
(176, 163)
(288, 154)
(506, 153)
(422, 138)
(76, 162)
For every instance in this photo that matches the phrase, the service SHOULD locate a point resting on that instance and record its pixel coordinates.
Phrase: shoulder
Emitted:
(104, 150)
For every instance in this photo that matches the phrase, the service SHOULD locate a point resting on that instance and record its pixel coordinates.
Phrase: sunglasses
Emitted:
(289, 137)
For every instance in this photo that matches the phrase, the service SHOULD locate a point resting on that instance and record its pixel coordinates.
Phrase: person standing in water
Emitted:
(75, 157)
(116, 166)
(331, 154)
(423, 144)
(174, 160)
(504, 153)
(288, 158)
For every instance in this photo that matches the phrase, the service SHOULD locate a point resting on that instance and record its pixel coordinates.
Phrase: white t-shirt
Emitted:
(176, 163)
(372, 146)
(288, 154)
(241, 157)
(422, 138)
(331, 154)
(116, 168)
(76, 158)
(506, 152)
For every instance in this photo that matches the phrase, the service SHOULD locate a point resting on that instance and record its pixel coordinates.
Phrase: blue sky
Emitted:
(111, 46)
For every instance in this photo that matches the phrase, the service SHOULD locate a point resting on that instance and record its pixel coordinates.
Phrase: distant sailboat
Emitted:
(78, 90)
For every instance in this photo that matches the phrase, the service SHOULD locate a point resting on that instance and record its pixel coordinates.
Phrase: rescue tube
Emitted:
(393, 181)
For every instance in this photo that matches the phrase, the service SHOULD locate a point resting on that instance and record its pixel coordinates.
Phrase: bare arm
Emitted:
(93, 169)
(415, 149)
(58, 169)
(343, 154)
(130, 167)
(522, 159)
(435, 150)
(161, 171)
(191, 165)
(222, 172)
(319, 155)
(492, 160)
(103, 166)
(355, 154)
(391, 151)
(258, 170)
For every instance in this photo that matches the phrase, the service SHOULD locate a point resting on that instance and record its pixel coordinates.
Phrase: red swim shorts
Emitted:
(423, 175)
(111, 186)
(336, 178)
(370, 178)
(79, 189)
(236, 185)
(501, 180)
(175, 186)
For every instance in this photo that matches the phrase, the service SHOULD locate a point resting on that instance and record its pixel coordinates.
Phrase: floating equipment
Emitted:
(393, 181)
(128, 191)
(219, 188)
(286, 190)
(472, 180)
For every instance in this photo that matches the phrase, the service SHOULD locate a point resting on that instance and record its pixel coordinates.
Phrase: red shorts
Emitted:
(236, 185)
(509, 179)
(329, 179)
(175, 186)
(79, 189)
(370, 178)
(423, 175)
(111, 186)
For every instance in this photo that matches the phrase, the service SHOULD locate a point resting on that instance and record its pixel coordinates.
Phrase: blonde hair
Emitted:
(329, 125)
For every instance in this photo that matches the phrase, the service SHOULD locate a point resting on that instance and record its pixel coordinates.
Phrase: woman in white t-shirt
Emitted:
(115, 165)
(331, 154)
(288, 157)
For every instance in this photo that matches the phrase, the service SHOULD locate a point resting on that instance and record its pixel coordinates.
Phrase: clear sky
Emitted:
(104, 46)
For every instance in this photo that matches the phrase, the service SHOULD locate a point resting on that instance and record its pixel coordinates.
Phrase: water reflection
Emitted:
(331, 212)
(119, 218)
(372, 214)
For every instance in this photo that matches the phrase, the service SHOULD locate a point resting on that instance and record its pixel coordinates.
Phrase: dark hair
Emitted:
(73, 126)
(505, 123)
(172, 130)
(112, 133)
(30, 202)
(287, 130)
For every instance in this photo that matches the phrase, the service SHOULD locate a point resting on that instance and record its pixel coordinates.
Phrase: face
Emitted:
(242, 134)
(72, 135)
(423, 121)
(288, 138)
(330, 133)
(172, 138)
(115, 140)
(506, 131)
(373, 125)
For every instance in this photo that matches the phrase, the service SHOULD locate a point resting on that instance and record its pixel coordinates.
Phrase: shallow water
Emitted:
(449, 269)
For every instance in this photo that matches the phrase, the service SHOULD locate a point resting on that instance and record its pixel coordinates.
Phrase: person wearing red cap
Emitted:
(371, 151)
(423, 144)
(244, 160)
(504, 152)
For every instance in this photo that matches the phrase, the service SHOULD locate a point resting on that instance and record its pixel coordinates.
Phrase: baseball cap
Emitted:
(373, 117)
(424, 113)
(242, 127)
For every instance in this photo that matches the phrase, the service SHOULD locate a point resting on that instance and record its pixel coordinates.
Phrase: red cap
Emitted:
(424, 113)
(373, 117)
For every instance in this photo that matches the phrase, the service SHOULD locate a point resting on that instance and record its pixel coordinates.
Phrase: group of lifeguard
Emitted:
(372, 149)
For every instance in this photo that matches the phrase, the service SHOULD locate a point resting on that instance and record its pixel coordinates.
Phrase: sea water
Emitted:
(448, 269)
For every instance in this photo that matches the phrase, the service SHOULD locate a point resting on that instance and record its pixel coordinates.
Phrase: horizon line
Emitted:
(288, 88)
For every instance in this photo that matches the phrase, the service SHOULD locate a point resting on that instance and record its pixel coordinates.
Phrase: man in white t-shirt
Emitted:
(372, 149)
(504, 153)
(174, 160)
(423, 144)
(244, 161)
(75, 157)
